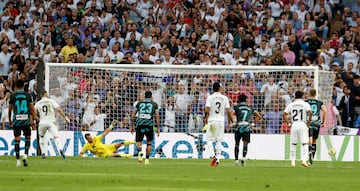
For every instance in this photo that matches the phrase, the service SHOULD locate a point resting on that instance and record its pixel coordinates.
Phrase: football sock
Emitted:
(129, 142)
(210, 148)
(27, 146)
(305, 152)
(17, 149)
(138, 149)
(292, 151)
(217, 150)
(236, 150)
(310, 148)
(313, 149)
(245, 148)
(42, 144)
(147, 155)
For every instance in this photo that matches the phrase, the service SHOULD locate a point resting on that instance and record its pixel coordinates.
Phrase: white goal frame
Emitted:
(188, 68)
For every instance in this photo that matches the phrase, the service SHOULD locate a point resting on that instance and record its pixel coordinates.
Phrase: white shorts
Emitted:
(50, 127)
(299, 133)
(215, 131)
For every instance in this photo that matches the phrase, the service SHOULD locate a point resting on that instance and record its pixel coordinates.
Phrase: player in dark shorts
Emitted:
(317, 108)
(144, 116)
(244, 114)
(21, 118)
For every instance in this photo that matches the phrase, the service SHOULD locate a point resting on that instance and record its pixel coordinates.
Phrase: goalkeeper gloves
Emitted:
(113, 124)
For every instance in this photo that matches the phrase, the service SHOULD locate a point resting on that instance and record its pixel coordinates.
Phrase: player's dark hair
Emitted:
(242, 98)
(216, 86)
(86, 135)
(43, 93)
(20, 83)
(299, 94)
(148, 94)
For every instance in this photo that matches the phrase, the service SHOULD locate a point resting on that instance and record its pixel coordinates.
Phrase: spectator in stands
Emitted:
(273, 118)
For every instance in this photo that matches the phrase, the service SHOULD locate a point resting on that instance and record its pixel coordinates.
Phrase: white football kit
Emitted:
(46, 108)
(298, 114)
(299, 131)
(217, 103)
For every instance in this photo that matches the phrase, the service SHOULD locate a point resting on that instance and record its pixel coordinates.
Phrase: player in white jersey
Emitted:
(300, 114)
(46, 109)
(216, 106)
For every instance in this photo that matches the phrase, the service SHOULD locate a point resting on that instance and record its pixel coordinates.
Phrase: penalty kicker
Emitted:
(96, 147)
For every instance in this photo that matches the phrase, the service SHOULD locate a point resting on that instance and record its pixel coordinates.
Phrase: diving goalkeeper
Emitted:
(95, 146)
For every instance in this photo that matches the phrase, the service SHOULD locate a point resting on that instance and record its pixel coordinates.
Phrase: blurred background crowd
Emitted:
(321, 33)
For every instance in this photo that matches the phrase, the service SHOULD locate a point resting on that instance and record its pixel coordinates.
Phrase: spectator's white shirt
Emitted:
(262, 53)
(218, 10)
(157, 96)
(268, 90)
(352, 57)
(27, 19)
(115, 56)
(213, 18)
(182, 101)
(137, 35)
(105, 20)
(339, 95)
(153, 58)
(302, 15)
(217, 111)
(9, 33)
(171, 60)
(328, 55)
(275, 8)
(227, 57)
(143, 8)
(5, 59)
(114, 40)
(212, 38)
(99, 124)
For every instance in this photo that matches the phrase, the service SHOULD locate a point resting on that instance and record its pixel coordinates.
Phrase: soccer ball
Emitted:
(332, 152)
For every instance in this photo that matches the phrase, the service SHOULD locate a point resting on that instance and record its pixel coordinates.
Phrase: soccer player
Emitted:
(215, 108)
(316, 122)
(143, 118)
(300, 114)
(244, 114)
(95, 145)
(21, 116)
(47, 108)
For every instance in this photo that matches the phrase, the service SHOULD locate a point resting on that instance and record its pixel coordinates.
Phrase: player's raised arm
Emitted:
(108, 130)
(61, 112)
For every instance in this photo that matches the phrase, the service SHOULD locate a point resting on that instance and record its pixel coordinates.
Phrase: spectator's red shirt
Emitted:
(334, 43)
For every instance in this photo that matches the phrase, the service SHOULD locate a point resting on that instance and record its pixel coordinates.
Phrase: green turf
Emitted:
(109, 174)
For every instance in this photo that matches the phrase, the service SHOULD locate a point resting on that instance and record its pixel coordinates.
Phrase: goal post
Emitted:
(93, 94)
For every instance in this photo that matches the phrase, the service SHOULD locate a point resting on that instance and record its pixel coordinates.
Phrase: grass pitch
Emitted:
(109, 174)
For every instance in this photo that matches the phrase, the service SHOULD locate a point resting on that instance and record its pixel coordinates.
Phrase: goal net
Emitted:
(93, 95)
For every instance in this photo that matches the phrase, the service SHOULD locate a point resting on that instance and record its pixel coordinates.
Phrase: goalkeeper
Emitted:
(95, 146)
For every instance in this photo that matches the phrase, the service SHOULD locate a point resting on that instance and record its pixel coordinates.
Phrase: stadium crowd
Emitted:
(323, 33)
